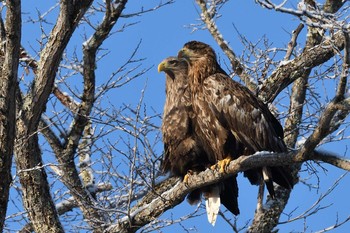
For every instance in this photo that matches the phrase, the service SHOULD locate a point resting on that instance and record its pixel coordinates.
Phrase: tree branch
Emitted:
(293, 41)
(66, 206)
(70, 176)
(237, 66)
(9, 61)
(285, 74)
(50, 136)
(36, 191)
(50, 57)
(146, 211)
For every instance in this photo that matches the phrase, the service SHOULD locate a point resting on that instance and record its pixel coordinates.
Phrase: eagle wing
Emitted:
(248, 118)
(251, 123)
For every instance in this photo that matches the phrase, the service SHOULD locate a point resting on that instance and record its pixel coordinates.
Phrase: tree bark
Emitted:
(8, 77)
(36, 191)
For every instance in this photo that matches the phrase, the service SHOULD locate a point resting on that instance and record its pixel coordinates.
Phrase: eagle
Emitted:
(230, 118)
(183, 152)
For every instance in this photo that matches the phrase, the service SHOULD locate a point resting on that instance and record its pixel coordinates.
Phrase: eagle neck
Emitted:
(200, 70)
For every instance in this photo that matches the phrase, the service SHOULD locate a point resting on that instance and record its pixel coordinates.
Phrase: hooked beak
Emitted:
(161, 67)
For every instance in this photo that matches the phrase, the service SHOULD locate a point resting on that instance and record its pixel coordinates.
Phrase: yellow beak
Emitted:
(162, 66)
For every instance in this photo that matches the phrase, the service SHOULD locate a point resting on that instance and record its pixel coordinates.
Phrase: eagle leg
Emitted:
(187, 176)
(222, 164)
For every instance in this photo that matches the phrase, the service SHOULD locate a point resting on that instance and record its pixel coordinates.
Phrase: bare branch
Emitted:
(69, 17)
(67, 205)
(307, 12)
(65, 99)
(315, 207)
(293, 41)
(148, 210)
(285, 74)
(36, 190)
(338, 224)
(50, 136)
(213, 29)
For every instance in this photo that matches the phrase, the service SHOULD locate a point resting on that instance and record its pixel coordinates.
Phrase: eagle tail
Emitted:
(194, 197)
(283, 176)
(229, 194)
(212, 203)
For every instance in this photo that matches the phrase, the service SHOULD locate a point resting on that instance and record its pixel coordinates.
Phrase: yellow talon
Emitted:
(224, 163)
(213, 167)
(187, 176)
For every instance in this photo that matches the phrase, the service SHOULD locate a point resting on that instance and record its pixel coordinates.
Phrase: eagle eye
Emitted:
(173, 62)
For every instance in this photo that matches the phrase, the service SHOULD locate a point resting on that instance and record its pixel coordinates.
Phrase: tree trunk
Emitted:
(36, 191)
(9, 59)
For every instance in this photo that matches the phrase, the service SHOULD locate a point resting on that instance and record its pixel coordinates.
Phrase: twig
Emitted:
(293, 41)
(213, 29)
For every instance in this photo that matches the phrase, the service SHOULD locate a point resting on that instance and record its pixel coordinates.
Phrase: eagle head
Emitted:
(201, 59)
(195, 50)
(172, 65)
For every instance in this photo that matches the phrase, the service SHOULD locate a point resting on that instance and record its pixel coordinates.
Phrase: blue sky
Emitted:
(161, 34)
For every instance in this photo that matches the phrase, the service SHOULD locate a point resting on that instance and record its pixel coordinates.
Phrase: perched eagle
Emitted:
(226, 109)
(184, 153)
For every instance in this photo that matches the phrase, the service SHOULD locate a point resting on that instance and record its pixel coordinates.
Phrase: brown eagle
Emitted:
(225, 109)
(183, 151)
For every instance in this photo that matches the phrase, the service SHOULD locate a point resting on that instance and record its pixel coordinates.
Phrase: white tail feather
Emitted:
(212, 204)
(266, 174)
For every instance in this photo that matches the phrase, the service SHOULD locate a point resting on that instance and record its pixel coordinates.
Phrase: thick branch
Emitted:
(147, 211)
(50, 57)
(332, 6)
(36, 191)
(332, 159)
(66, 206)
(288, 73)
(341, 90)
(8, 78)
(70, 175)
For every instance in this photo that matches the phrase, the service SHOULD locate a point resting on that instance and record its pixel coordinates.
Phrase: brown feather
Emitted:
(184, 151)
(229, 115)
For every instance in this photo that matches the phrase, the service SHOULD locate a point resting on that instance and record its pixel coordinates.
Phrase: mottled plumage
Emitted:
(231, 119)
(183, 150)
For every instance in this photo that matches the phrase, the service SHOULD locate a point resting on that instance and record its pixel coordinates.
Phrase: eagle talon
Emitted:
(223, 164)
(213, 167)
(187, 176)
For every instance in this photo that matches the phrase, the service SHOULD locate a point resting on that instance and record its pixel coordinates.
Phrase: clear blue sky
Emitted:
(162, 33)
